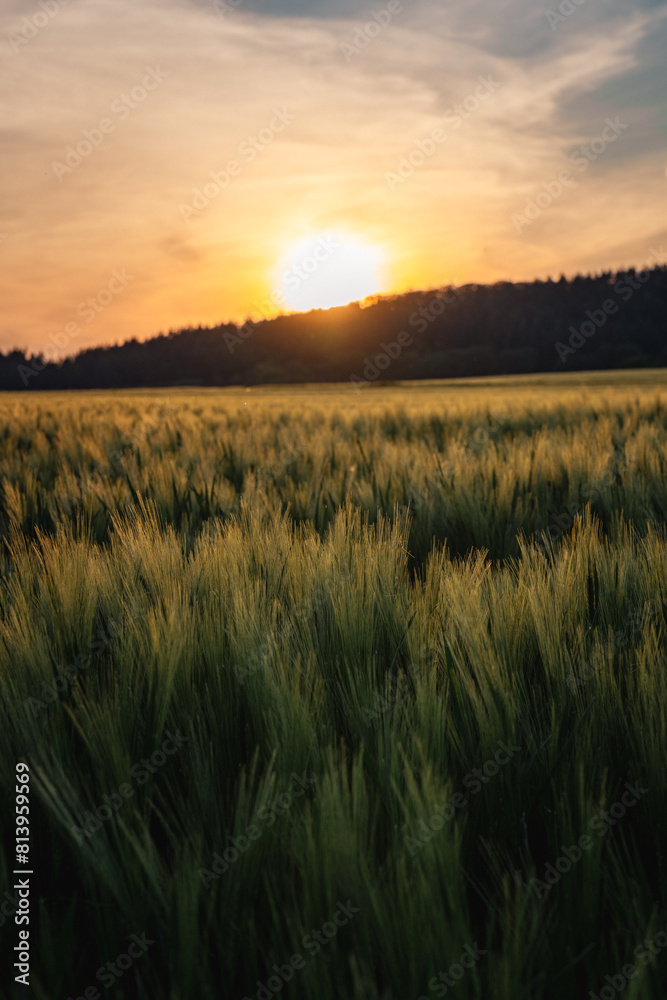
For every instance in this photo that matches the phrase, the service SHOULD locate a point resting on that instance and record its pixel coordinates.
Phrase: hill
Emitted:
(606, 321)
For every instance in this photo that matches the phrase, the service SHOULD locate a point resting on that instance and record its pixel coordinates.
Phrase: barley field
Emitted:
(330, 694)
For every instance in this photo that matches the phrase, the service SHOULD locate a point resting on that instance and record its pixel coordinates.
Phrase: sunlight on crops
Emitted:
(371, 591)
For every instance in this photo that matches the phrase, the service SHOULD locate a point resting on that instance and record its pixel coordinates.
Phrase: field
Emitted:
(338, 695)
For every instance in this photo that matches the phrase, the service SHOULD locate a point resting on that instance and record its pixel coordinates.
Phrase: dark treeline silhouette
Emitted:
(611, 320)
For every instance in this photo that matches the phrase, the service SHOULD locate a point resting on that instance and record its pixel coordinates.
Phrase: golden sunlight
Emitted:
(328, 269)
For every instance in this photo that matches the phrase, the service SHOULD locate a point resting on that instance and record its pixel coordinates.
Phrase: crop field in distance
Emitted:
(338, 694)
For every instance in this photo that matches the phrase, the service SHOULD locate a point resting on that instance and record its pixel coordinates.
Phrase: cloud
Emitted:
(353, 122)
(181, 249)
(517, 30)
(326, 9)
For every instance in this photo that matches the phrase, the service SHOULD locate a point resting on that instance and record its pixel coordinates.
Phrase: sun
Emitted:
(328, 269)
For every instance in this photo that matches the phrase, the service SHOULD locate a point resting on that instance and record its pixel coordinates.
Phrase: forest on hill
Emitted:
(595, 322)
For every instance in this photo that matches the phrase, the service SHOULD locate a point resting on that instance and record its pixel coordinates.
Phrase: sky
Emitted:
(428, 143)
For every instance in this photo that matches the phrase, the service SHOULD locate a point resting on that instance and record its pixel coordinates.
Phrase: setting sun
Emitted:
(328, 269)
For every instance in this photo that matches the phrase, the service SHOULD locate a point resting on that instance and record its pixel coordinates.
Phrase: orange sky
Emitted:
(319, 137)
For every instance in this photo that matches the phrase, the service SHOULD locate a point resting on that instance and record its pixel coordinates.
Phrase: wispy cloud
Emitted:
(353, 122)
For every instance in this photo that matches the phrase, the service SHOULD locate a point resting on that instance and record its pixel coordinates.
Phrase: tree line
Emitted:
(603, 321)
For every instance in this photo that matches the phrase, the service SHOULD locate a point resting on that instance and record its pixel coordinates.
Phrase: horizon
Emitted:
(657, 261)
(437, 147)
